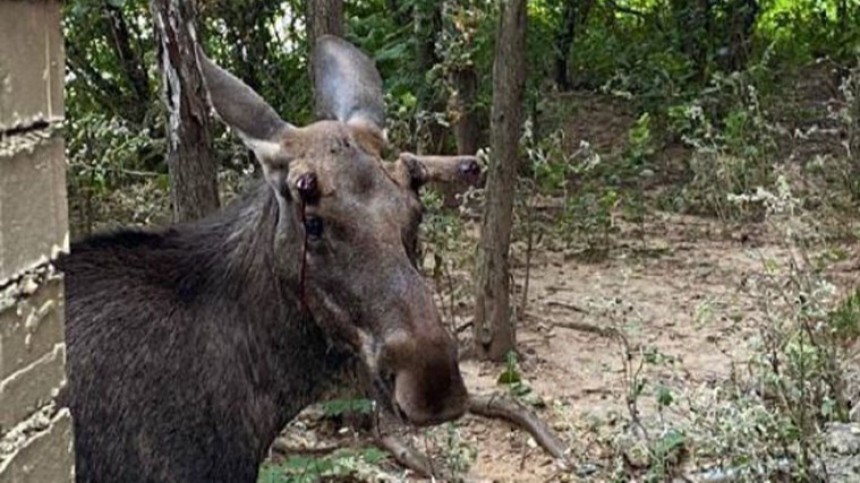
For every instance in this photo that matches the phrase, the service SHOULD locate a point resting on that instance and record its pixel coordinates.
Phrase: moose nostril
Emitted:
(308, 187)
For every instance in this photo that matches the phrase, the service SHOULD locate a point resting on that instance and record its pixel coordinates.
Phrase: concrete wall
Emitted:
(35, 434)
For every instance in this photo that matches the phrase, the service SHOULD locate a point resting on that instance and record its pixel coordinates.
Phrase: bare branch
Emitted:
(627, 10)
(282, 447)
(406, 456)
(518, 415)
(610, 332)
(565, 305)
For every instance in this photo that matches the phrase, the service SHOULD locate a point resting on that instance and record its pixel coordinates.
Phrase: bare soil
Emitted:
(679, 289)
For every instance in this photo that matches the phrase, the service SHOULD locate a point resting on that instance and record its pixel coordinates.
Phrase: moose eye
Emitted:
(314, 226)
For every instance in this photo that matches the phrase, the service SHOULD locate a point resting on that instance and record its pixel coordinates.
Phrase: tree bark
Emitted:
(130, 61)
(193, 174)
(574, 14)
(428, 23)
(564, 42)
(325, 17)
(494, 331)
(466, 129)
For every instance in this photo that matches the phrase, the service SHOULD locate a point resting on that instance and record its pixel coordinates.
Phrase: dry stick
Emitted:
(282, 447)
(402, 453)
(406, 456)
(515, 413)
(529, 247)
(565, 305)
(590, 328)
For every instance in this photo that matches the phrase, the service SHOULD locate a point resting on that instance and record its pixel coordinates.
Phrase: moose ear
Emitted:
(347, 86)
(257, 123)
(414, 170)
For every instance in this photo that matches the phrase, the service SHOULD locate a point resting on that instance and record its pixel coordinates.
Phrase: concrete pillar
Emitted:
(35, 433)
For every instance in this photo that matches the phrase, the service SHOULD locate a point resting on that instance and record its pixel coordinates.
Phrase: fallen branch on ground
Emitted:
(496, 407)
(406, 456)
(518, 415)
(282, 447)
(402, 453)
(591, 328)
(569, 306)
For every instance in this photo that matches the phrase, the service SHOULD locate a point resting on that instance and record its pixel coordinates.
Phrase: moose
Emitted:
(191, 346)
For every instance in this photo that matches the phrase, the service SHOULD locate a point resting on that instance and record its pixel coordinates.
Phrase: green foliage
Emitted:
(641, 144)
(511, 374)
(340, 464)
(845, 319)
(516, 384)
(766, 421)
(340, 407)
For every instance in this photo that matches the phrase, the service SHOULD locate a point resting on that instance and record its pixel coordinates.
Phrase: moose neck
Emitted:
(256, 265)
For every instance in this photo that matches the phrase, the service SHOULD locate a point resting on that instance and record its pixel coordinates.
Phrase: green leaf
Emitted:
(509, 376)
(664, 396)
(394, 52)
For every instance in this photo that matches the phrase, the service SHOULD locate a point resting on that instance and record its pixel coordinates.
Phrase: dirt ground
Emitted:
(679, 289)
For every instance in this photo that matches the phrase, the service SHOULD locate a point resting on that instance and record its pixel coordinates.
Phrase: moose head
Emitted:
(347, 227)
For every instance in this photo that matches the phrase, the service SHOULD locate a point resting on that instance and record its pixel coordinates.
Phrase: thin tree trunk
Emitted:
(466, 130)
(130, 61)
(575, 14)
(564, 42)
(428, 23)
(494, 330)
(325, 17)
(193, 174)
(854, 131)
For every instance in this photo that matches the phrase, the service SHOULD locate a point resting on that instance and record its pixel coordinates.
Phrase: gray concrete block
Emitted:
(31, 327)
(31, 63)
(46, 457)
(33, 211)
(28, 389)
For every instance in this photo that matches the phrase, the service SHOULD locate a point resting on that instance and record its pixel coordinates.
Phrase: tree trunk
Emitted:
(494, 330)
(325, 17)
(193, 174)
(428, 23)
(466, 130)
(130, 62)
(854, 131)
(574, 14)
(564, 42)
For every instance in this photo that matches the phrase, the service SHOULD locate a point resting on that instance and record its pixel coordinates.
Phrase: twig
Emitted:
(406, 456)
(465, 326)
(627, 10)
(402, 453)
(632, 378)
(530, 234)
(611, 332)
(515, 413)
(565, 305)
(281, 446)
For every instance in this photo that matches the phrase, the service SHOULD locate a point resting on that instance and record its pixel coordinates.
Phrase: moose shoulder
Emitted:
(190, 347)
